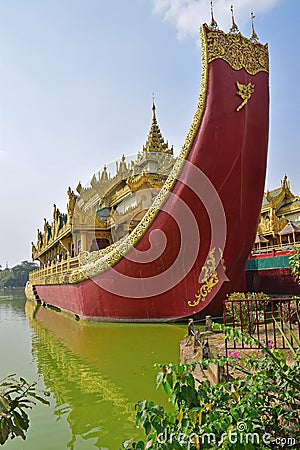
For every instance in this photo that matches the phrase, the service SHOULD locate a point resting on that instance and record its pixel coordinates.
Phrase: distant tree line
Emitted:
(17, 276)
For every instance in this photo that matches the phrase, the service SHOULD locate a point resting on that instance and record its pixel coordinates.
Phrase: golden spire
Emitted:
(153, 109)
(213, 24)
(234, 28)
(155, 142)
(253, 36)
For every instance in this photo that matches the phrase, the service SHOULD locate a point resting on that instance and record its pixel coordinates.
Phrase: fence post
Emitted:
(208, 323)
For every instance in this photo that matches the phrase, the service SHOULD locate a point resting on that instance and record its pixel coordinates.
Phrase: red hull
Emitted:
(230, 149)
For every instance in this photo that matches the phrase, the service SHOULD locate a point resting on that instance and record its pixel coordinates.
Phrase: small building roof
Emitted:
(290, 228)
(260, 239)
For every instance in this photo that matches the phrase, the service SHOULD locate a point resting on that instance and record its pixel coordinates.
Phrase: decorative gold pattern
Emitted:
(205, 289)
(238, 51)
(244, 91)
(208, 276)
(209, 266)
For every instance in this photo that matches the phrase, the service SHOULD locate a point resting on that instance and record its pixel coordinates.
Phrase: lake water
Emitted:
(95, 372)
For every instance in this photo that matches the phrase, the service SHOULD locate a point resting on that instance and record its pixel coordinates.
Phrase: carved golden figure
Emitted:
(244, 91)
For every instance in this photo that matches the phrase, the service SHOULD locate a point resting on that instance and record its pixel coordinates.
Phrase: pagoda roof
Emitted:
(155, 142)
(279, 197)
(260, 239)
(289, 229)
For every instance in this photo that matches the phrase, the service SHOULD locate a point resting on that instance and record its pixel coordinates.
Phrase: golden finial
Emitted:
(253, 36)
(153, 107)
(234, 28)
(213, 24)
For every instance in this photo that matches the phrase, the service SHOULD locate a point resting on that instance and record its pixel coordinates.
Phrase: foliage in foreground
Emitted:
(294, 261)
(258, 408)
(16, 397)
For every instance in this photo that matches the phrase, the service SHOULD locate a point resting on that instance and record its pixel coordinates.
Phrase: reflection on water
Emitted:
(96, 373)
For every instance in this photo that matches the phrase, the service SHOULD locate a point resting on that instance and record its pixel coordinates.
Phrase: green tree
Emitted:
(5, 278)
(17, 276)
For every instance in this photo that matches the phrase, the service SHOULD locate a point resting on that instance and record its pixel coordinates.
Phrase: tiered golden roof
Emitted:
(155, 142)
(279, 218)
(110, 206)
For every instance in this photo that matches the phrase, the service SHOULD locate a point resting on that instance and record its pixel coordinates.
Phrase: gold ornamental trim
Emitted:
(238, 51)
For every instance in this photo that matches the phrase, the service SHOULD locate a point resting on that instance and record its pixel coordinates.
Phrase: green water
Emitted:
(95, 373)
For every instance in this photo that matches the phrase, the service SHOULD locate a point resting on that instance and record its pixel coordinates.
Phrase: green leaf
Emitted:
(40, 399)
(159, 379)
(147, 427)
(286, 338)
(158, 410)
(18, 432)
(127, 443)
(4, 404)
(167, 388)
(20, 421)
(4, 431)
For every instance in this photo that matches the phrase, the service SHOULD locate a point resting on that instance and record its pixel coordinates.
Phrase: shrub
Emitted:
(259, 410)
(294, 261)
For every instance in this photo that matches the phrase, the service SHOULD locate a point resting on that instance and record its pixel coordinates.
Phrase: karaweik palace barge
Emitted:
(166, 238)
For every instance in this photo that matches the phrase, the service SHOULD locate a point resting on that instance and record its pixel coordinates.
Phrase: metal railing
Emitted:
(258, 317)
(60, 267)
(275, 248)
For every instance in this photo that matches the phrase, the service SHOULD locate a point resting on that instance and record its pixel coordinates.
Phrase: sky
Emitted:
(76, 85)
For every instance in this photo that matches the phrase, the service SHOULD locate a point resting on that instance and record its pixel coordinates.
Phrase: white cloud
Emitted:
(188, 15)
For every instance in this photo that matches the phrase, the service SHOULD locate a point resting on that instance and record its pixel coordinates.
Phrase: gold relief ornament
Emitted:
(205, 289)
(244, 91)
(209, 276)
(238, 51)
(209, 266)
